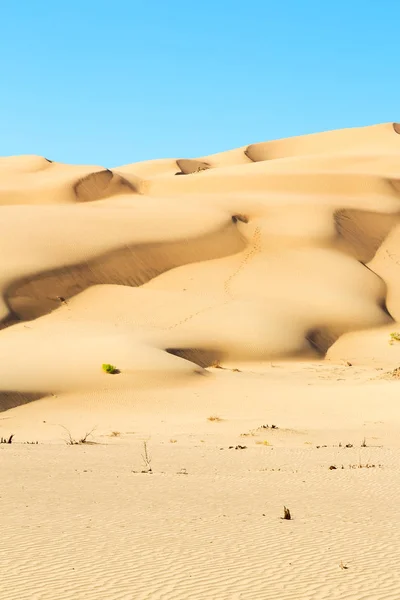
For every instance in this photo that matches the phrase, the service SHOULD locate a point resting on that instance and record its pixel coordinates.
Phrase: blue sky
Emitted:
(115, 82)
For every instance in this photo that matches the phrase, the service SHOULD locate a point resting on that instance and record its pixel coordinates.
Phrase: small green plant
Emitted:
(112, 369)
(394, 337)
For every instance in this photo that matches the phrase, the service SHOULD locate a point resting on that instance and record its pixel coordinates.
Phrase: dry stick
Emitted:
(146, 459)
(72, 442)
(7, 440)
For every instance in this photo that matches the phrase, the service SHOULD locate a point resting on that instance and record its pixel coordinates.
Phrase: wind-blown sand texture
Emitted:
(233, 292)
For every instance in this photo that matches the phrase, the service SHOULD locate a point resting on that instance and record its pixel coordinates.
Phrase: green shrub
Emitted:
(109, 369)
(394, 337)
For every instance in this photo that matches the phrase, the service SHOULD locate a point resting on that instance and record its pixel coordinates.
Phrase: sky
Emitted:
(111, 83)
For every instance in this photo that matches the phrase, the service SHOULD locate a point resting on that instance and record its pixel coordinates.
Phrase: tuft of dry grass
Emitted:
(172, 441)
(263, 443)
(70, 441)
(286, 514)
(395, 374)
(115, 434)
(216, 365)
(7, 440)
(214, 418)
(359, 466)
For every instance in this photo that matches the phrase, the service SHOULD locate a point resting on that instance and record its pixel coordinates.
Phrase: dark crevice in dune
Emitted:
(11, 319)
(247, 151)
(202, 358)
(48, 160)
(395, 185)
(382, 303)
(241, 218)
(396, 127)
(363, 231)
(384, 308)
(189, 166)
(102, 184)
(134, 265)
(11, 399)
(322, 338)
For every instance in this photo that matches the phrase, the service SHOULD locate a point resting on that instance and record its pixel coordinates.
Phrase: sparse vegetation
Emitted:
(115, 434)
(111, 369)
(395, 374)
(286, 514)
(263, 443)
(70, 441)
(216, 365)
(254, 432)
(7, 440)
(394, 337)
(364, 443)
(214, 418)
(359, 466)
(146, 459)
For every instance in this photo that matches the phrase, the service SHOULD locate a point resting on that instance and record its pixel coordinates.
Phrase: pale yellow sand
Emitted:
(280, 263)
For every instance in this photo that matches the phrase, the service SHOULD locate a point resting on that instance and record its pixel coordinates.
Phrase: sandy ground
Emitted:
(247, 300)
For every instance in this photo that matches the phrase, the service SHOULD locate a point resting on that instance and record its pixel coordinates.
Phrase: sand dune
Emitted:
(277, 256)
(231, 291)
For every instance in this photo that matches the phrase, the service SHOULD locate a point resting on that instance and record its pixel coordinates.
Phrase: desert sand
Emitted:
(249, 301)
